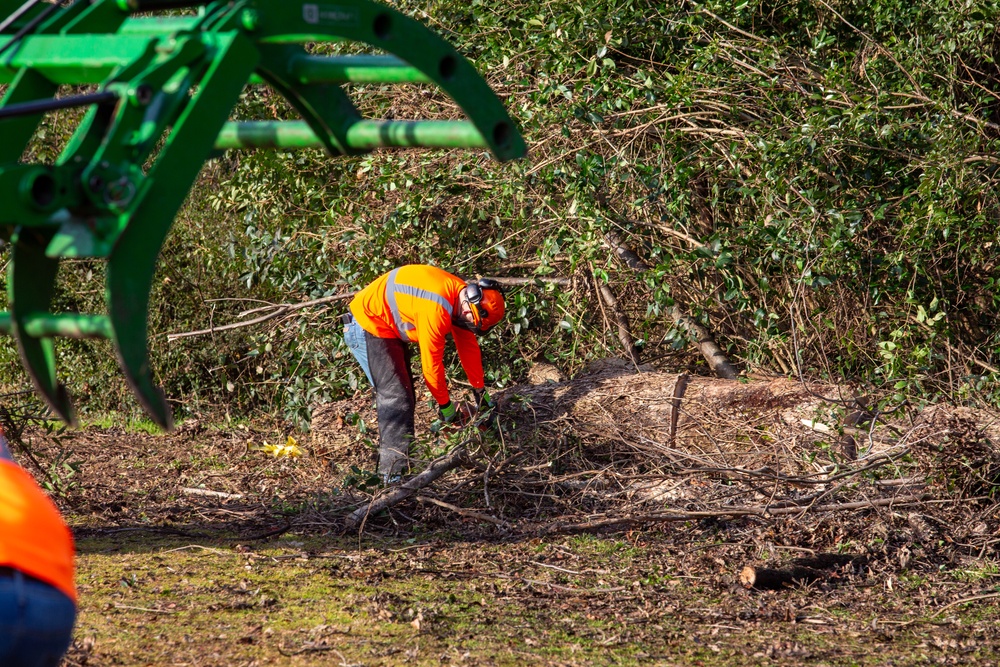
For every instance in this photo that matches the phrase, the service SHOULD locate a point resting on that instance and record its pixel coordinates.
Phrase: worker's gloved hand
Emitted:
(483, 400)
(457, 414)
(485, 408)
(448, 412)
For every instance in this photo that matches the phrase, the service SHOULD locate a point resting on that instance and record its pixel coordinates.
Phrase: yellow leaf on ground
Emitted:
(289, 449)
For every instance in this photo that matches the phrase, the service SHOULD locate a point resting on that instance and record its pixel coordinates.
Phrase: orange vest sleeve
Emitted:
(432, 327)
(33, 537)
(470, 355)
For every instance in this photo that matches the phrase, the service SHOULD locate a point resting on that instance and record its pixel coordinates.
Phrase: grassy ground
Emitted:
(268, 576)
(150, 599)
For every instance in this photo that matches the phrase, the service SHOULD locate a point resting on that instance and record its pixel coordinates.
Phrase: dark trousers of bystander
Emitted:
(36, 621)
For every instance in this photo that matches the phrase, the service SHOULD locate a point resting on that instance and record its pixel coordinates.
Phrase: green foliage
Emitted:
(815, 182)
(362, 480)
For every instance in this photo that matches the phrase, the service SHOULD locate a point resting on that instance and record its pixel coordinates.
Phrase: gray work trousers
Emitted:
(388, 361)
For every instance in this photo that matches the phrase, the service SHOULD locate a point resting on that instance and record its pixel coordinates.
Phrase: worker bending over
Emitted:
(418, 304)
(37, 590)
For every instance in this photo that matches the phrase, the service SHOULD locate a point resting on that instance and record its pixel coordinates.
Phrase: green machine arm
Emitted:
(165, 87)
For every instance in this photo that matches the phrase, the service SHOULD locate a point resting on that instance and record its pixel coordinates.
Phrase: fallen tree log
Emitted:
(768, 579)
(798, 572)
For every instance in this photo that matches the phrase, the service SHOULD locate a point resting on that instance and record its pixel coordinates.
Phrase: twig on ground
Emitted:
(146, 609)
(974, 598)
(270, 533)
(195, 546)
(464, 512)
(722, 513)
(212, 494)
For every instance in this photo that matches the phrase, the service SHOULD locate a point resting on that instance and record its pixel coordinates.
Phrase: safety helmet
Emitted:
(486, 302)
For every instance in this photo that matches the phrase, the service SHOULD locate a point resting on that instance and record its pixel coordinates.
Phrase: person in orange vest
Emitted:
(423, 305)
(37, 589)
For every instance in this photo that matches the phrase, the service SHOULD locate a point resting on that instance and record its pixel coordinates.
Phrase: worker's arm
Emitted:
(471, 357)
(431, 331)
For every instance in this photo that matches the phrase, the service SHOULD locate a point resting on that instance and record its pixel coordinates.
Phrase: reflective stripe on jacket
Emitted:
(415, 303)
(33, 537)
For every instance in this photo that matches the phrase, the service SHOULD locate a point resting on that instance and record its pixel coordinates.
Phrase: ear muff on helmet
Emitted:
(474, 289)
(492, 309)
(487, 302)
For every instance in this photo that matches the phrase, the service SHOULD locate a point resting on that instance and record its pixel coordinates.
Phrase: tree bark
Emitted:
(625, 253)
(703, 338)
(605, 294)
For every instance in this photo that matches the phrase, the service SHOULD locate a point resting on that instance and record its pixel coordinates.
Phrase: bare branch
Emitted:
(279, 310)
(703, 338)
(399, 493)
(464, 512)
(606, 296)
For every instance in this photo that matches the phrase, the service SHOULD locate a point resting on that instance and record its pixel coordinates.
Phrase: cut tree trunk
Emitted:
(798, 572)
(767, 579)
(690, 420)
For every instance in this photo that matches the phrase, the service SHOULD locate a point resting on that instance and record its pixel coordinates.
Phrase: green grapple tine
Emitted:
(28, 85)
(318, 104)
(31, 283)
(166, 86)
(132, 263)
(284, 21)
(128, 304)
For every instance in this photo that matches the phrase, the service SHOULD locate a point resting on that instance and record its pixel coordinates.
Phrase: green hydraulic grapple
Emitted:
(159, 79)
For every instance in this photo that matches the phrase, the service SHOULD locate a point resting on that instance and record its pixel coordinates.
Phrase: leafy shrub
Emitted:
(815, 182)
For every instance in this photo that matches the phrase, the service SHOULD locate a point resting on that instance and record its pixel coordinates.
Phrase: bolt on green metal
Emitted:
(249, 19)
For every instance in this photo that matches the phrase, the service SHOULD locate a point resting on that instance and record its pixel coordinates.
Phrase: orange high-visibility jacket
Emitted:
(33, 537)
(415, 303)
